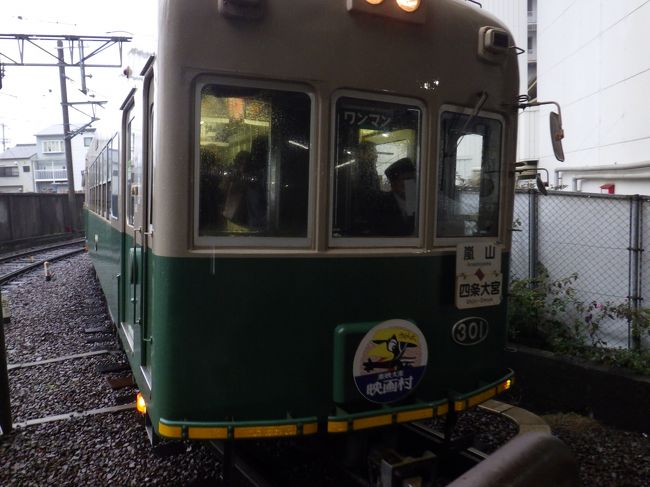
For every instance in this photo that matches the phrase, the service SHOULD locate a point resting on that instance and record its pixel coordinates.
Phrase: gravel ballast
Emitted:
(48, 321)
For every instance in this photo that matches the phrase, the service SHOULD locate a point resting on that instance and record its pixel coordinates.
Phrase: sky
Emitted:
(30, 99)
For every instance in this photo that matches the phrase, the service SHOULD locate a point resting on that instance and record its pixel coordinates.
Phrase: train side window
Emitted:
(133, 169)
(254, 159)
(469, 176)
(376, 169)
(114, 164)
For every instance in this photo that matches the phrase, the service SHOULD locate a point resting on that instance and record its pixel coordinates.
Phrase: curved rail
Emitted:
(43, 248)
(43, 254)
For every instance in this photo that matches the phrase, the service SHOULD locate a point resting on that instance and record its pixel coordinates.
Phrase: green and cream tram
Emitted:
(303, 223)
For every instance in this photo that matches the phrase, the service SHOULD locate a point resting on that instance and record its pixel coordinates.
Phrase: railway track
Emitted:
(16, 263)
(417, 451)
(66, 383)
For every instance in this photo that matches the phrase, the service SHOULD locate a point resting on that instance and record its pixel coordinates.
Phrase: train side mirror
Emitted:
(557, 134)
(555, 119)
(541, 185)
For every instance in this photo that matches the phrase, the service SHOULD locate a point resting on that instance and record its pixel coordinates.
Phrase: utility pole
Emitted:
(81, 52)
(4, 140)
(72, 204)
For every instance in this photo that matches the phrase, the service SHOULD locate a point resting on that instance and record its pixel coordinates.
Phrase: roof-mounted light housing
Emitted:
(493, 44)
(406, 10)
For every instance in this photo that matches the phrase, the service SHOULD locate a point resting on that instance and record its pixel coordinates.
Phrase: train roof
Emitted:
(313, 40)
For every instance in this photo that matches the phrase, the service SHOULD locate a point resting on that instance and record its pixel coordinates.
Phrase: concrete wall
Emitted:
(547, 383)
(24, 216)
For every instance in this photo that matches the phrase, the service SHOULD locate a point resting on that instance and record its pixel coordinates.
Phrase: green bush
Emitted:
(546, 313)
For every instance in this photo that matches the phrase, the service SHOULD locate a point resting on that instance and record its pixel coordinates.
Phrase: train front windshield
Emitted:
(255, 153)
(376, 169)
(254, 162)
(468, 185)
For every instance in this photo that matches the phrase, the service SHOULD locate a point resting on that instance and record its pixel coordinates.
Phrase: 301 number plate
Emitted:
(470, 331)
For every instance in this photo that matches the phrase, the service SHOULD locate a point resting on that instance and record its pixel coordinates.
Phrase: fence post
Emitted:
(634, 285)
(533, 234)
(5, 404)
(10, 215)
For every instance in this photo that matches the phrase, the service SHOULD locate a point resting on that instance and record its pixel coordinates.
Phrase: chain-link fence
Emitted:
(644, 267)
(600, 238)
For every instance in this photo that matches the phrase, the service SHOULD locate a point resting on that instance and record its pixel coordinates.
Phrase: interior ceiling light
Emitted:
(374, 2)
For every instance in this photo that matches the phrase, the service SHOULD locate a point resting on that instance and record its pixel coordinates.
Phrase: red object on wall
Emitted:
(609, 188)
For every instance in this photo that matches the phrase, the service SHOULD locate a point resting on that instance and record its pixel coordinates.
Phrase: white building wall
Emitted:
(79, 158)
(23, 182)
(79, 151)
(514, 14)
(593, 60)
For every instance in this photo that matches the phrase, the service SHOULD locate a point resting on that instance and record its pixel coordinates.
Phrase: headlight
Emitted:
(408, 5)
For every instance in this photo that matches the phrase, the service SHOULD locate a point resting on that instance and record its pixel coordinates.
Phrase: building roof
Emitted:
(21, 151)
(57, 129)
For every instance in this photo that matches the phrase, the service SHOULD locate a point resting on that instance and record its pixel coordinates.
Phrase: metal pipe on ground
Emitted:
(529, 460)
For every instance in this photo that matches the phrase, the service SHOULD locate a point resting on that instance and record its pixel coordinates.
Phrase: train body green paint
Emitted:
(252, 339)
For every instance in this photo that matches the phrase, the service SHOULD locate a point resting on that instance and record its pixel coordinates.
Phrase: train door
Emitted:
(147, 216)
(132, 251)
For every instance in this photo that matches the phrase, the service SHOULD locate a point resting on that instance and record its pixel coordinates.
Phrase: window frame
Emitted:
(229, 241)
(378, 241)
(10, 170)
(114, 151)
(129, 120)
(453, 241)
(60, 142)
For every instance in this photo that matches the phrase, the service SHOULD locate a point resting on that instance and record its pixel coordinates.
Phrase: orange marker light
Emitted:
(508, 384)
(140, 405)
(374, 2)
(409, 5)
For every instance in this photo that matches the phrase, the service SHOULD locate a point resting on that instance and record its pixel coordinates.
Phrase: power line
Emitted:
(76, 45)
(556, 18)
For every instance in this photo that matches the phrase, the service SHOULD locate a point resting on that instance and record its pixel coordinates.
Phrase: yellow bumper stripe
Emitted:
(372, 422)
(207, 433)
(417, 415)
(265, 431)
(169, 431)
(337, 426)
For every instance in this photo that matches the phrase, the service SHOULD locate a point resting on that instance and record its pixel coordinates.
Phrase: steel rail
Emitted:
(12, 275)
(36, 363)
(44, 248)
(73, 415)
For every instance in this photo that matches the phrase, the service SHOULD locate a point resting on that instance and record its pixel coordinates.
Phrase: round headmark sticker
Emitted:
(390, 361)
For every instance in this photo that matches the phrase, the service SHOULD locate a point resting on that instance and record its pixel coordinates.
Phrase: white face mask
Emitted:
(410, 196)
